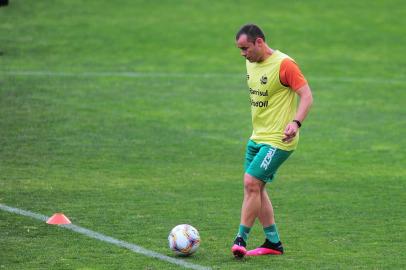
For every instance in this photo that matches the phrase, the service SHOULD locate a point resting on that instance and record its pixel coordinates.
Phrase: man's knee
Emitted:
(252, 185)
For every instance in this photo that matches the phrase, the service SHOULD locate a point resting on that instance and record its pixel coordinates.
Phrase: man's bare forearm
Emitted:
(306, 101)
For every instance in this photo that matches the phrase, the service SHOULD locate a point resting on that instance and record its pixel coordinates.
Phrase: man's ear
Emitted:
(259, 41)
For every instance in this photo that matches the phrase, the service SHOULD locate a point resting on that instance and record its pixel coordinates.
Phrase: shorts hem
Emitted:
(267, 180)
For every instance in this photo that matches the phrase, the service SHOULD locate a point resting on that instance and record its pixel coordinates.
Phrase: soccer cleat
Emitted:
(267, 248)
(238, 248)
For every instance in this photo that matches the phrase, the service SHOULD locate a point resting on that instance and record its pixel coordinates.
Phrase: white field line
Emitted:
(46, 73)
(108, 239)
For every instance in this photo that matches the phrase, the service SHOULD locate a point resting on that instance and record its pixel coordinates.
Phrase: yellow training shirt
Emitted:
(273, 105)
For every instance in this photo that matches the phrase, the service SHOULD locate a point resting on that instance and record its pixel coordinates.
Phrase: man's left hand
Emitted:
(290, 132)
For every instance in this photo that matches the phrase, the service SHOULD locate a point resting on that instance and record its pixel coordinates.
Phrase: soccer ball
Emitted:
(184, 240)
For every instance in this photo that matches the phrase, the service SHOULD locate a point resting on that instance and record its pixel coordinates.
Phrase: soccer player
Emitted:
(274, 82)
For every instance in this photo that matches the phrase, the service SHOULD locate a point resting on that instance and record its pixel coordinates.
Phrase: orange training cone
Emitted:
(58, 219)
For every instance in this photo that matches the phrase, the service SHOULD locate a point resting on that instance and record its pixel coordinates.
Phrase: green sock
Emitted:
(243, 232)
(271, 233)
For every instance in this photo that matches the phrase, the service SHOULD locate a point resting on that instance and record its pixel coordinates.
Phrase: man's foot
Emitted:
(238, 248)
(267, 248)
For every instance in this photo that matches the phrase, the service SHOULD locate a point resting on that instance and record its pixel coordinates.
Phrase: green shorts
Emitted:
(263, 160)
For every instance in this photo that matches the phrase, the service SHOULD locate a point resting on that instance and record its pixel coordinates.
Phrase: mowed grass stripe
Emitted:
(105, 238)
(130, 74)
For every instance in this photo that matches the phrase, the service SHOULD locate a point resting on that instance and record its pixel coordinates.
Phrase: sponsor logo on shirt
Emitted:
(263, 79)
(259, 103)
(259, 93)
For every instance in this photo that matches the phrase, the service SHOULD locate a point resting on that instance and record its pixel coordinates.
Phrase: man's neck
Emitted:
(267, 53)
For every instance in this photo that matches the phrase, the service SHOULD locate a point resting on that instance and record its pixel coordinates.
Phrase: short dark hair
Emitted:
(252, 31)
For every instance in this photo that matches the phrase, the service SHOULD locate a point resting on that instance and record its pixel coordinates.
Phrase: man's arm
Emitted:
(306, 101)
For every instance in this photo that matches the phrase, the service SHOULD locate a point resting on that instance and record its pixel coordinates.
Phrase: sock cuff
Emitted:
(271, 228)
(271, 233)
(245, 228)
(243, 232)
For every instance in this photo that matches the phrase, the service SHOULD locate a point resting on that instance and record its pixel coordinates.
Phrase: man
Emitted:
(274, 82)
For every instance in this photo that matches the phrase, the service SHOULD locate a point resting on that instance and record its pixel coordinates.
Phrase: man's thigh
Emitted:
(266, 162)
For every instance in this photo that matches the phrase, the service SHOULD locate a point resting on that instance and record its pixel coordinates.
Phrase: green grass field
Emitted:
(132, 116)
